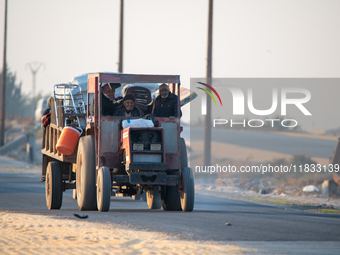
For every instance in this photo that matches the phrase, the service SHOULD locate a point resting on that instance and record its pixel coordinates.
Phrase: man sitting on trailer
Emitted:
(46, 116)
(128, 108)
(108, 97)
(166, 104)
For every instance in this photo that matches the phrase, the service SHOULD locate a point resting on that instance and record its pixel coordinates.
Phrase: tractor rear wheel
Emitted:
(184, 156)
(86, 174)
(171, 197)
(188, 190)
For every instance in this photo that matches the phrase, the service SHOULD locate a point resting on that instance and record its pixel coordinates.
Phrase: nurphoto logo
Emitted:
(204, 99)
(240, 100)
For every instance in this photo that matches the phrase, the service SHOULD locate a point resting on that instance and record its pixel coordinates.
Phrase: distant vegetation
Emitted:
(299, 159)
(18, 105)
(298, 178)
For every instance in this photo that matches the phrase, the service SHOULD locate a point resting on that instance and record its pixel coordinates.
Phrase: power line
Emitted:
(34, 67)
(121, 27)
(207, 129)
(3, 83)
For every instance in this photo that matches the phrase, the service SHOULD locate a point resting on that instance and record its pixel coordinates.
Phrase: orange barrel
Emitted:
(68, 140)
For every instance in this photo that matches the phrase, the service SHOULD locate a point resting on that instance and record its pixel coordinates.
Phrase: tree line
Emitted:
(17, 105)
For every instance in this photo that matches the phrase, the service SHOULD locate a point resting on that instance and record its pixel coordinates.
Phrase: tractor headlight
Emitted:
(155, 147)
(138, 146)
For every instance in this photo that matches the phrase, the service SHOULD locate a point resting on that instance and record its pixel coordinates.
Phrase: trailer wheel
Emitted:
(86, 174)
(74, 194)
(104, 189)
(188, 191)
(153, 198)
(53, 186)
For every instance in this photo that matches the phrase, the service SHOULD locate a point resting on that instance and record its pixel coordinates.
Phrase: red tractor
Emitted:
(109, 158)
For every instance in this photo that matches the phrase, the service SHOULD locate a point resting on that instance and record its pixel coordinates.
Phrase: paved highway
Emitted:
(252, 225)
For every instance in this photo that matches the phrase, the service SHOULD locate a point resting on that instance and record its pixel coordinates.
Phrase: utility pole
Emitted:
(34, 67)
(120, 64)
(3, 83)
(207, 129)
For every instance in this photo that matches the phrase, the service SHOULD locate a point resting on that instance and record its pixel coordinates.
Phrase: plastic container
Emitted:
(68, 140)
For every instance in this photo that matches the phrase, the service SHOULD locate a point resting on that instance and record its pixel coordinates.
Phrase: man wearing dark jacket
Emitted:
(108, 97)
(46, 116)
(128, 108)
(166, 104)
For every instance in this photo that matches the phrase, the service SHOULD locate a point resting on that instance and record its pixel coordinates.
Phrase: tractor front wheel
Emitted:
(153, 198)
(104, 189)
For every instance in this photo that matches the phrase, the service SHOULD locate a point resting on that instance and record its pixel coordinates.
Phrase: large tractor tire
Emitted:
(153, 199)
(188, 190)
(86, 174)
(53, 186)
(184, 156)
(171, 196)
(171, 199)
(104, 188)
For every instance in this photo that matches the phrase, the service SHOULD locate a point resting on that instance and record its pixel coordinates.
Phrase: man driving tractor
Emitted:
(128, 108)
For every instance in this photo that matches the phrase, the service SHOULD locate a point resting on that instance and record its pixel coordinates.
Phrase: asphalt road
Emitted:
(252, 225)
(267, 141)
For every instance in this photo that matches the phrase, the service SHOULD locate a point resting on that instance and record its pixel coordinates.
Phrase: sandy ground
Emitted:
(36, 234)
